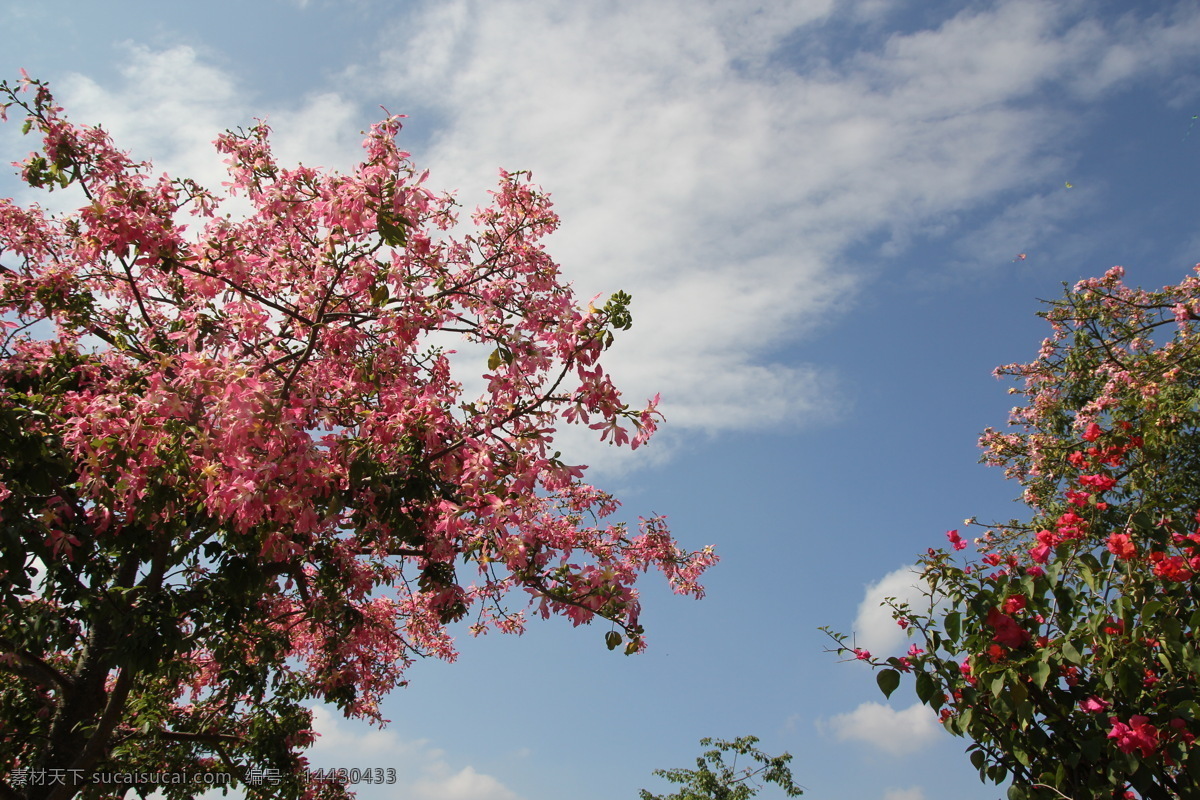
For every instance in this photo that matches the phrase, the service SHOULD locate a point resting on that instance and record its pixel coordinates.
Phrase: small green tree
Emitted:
(713, 780)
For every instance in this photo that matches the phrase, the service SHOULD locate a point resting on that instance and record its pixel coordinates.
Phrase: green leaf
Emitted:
(888, 680)
(953, 625)
(1041, 674)
(1088, 576)
(393, 235)
(495, 360)
(925, 687)
(1070, 653)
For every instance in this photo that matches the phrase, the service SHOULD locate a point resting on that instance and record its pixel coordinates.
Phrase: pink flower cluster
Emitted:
(1136, 735)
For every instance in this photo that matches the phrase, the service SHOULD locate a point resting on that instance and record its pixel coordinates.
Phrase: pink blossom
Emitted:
(1138, 735)
(955, 540)
(1101, 482)
(272, 385)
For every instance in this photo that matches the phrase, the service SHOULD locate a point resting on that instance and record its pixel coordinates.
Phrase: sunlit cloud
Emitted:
(172, 103)
(894, 732)
(874, 627)
(725, 188)
(745, 195)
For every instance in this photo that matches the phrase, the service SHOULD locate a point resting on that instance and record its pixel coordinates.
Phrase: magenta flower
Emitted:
(1137, 735)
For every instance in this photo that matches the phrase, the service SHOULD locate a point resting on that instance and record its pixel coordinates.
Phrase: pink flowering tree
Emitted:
(1066, 649)
(238, 474)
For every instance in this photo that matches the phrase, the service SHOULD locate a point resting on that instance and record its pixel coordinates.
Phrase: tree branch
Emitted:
(34, 665)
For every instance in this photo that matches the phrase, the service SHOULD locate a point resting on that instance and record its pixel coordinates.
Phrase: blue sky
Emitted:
(816, 207)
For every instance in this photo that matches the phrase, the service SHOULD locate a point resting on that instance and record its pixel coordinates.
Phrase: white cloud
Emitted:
(169, 107)
(895, 732)
(696, 166)
(911, 793)
(423, 772)
(874, 628)
(466, 784)
(723, 189)
(340, 741)
(171, 104)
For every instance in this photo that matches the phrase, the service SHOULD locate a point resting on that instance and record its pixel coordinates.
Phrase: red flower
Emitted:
(1008, 632)
(1101, 482)
(1121, 545)
(1077, 498)
(1092, 433)
(1014, 604)
(1173, 568)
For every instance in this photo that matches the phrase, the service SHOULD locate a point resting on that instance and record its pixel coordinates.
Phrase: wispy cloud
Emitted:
(424, 772)
(895, 732)
(911, 793)
(714, 161)
(698, 167)
(171, 104)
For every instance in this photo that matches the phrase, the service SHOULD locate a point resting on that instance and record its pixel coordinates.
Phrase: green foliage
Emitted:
(1066, 653)
(714, 780)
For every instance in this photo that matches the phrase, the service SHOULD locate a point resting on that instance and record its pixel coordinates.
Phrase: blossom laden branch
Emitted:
(255, 491)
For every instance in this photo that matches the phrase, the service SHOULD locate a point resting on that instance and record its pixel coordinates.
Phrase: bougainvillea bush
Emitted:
(1066, 650)
(238, 475)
